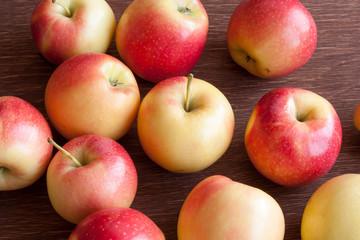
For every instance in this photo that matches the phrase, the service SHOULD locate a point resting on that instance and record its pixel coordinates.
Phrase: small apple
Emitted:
(119, 224)
(185, 124)
(92, 93)
(159, 39)
(270, 38)
(24, 154)
(357, 117)
(64, 28)
(293, 136)
(332, 212)
(88, 174)
(219, 208)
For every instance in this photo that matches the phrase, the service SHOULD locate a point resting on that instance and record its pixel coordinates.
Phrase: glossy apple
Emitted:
(64, 28)
(333, 210)
(293, 136)
(24, 154)
(270, 38)
(90, 173)
(357, 117)
(92, 93)
(185, 124)
(219, 208)
(159, 39)
(119, 224)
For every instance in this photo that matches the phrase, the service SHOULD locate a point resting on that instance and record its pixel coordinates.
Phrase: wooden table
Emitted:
(332, 72)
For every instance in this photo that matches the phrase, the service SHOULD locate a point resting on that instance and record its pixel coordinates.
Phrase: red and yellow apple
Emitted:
(219, 208)
(185, 124)
(357, 117)
(159, 39)
(332, 212)
(90, 173)
(24, 151)
(64, 28)
(293, 136)
(92, 93)
(119, 224)
(270, 38)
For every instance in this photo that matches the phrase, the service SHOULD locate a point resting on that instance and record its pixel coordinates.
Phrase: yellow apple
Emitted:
(185, 127)
(332, 212)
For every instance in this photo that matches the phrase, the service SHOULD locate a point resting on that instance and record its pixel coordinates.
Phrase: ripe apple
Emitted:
(271, 39)
(357, 117)
(293, 136)
(119, 224)
(92, 93)
(159, 39)
(90, 173)
(333, 210)
(185, 124)
(24, 154)
(219, 208)
(64, 28)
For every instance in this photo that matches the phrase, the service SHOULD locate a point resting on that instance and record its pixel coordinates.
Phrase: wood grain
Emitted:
(333, 72)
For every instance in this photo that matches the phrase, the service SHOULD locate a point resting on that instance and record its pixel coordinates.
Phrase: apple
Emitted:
(185, 124)
(24, 154)
(90, 173)
(92, 93)
(293, 136)
(160, 39)
(333, 210)
(64, 28)
(357, 117)
(119, 224)
(219, 208)
(270, 38)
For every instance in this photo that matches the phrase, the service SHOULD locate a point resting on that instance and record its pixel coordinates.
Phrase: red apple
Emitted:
(92, 93)
(293, 136)
(219, 208)
(159, 39)
(24, 154)
(185, 124)
(357, 117)
(64, 28)
(117, 224)
(88, 174)
(271, 38)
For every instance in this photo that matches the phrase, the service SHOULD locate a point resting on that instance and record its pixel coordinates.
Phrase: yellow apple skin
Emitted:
(182, 141)
(332, 212)
(219, 208)
(357, 117)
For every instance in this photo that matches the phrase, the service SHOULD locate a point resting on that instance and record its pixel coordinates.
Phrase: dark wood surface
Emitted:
(333, 72)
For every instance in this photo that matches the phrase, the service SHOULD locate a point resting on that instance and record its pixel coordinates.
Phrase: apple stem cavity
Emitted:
(184, 10)
(188, 88)
(115, 83)
(72, 158)
(67, 10)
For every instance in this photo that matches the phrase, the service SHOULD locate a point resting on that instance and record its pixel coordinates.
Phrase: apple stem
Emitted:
(72, 158)
(188, 88)
(67, 10)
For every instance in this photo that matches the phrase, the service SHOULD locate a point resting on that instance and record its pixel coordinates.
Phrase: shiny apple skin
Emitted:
(117, 224)
(106, 179)
(24, 151)
(157, 41)
(90, 28)
(271, 38)
(293, 136)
